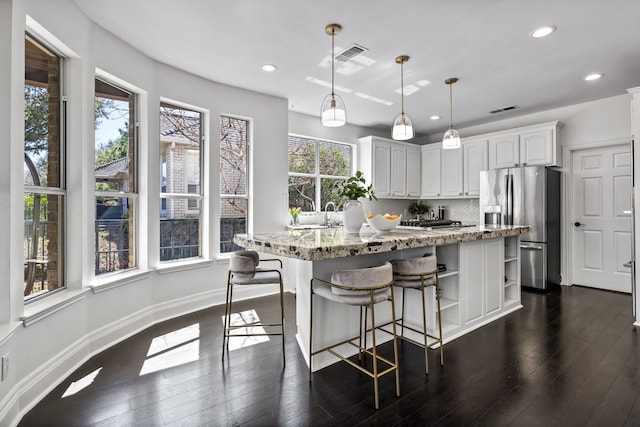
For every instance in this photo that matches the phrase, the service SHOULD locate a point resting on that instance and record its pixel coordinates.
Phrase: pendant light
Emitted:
(333, 113)
(451, 137)
(402, 125)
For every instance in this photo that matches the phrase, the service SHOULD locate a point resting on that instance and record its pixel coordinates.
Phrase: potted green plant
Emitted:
(418, 208)
(348, 192)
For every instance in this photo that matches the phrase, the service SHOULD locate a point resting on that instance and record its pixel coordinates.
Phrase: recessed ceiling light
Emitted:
(435, 117)
(269, 68)
(594, 76)
(543, 31)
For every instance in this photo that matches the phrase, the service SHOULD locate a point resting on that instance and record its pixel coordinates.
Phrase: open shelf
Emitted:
(446, 303)
(447, 273)
(509, 283)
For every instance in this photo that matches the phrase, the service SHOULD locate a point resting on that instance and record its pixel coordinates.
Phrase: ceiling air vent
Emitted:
(351, 52)
(502, 110)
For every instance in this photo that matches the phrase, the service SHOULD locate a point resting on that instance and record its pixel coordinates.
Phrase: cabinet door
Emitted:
(398, 171)
(504, 151)
(381, 169)
(537, 148)
(471, 281)
(493, 253)
(413, 172)
(430, 167)
(475, 156)
(451, 173)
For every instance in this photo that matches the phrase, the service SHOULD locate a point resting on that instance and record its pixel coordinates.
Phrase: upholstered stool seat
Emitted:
(245, 270)
(419, 273)
(365, 288)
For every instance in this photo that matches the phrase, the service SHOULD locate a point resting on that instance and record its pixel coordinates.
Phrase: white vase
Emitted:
(353, 216)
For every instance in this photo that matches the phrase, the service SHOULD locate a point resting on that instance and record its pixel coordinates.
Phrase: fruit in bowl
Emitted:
(384, 222)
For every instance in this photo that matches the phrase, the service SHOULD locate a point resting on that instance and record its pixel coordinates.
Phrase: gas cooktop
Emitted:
(424, 223)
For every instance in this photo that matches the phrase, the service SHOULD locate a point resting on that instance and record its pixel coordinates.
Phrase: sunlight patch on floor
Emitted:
(81, 384)
(245, 318)
(173, 349)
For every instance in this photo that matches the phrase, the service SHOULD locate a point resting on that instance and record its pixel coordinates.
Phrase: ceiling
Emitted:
(484, 43)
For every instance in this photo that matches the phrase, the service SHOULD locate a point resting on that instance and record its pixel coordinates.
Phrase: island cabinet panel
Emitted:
(481, 279)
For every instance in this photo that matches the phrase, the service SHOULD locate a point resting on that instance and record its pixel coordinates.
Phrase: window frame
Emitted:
(200, 197)
(134, 139)
(317, 175)
(60, 190)
(249, 169)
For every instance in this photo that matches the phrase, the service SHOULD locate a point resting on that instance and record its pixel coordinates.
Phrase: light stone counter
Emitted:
(329, 243)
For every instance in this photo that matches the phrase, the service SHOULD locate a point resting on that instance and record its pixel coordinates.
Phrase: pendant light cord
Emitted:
(451, 105)
(333, 35)
(402, 86)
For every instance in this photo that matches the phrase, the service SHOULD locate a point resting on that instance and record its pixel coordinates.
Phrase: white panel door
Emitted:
(601, 217)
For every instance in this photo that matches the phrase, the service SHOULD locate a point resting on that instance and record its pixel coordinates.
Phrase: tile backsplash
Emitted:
(465, 210)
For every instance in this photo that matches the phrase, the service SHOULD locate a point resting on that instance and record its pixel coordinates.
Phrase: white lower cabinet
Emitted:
(483, 288)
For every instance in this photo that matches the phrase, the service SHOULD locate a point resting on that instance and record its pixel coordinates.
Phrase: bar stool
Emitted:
(244, 270)
(419, 273)
(365, 288)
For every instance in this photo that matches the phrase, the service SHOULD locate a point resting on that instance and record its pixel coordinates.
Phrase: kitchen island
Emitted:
(480, 281)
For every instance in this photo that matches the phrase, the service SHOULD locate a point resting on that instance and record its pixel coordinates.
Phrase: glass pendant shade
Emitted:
(402, 128)
(451, 139)
(333, 112)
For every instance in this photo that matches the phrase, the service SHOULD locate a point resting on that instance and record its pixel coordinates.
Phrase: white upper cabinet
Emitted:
(381, 172)
(475, 159)
(413, 171)
(538, 148)
(504, 151)
(527, 146)
(392, 167)
(398, 171)
(451, 174)
(430, 186)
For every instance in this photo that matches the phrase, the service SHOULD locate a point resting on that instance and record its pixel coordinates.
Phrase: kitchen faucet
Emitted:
(327, 221)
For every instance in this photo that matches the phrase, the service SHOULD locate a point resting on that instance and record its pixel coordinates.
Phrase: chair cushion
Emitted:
(421, 265)
(413, 281)
(355, 298)
(244, 261)
(362, 278)
(258, 278)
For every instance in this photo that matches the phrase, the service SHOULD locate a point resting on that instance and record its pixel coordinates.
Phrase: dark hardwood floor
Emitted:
(570, 358)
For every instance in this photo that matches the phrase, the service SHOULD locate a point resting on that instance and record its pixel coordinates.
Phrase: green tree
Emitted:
(115, 149)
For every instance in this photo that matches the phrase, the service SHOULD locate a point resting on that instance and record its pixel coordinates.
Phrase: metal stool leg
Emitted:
(438, 295)
(424, 328)
(227, 317)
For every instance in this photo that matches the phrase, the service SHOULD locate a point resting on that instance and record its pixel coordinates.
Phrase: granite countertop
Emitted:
(313, 245)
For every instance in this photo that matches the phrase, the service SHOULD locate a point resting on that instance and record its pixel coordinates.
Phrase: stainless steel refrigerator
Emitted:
(527, 196)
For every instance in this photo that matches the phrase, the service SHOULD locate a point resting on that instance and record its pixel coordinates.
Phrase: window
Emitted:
(313, 165)
(181, 136)
(44, 162)
(115, 172)
(234, 184)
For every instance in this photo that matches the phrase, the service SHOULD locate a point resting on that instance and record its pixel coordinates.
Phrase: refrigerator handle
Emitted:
(509, 187)
(531, 246)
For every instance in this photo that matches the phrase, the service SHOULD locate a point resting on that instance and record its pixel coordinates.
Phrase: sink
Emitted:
(306, 227)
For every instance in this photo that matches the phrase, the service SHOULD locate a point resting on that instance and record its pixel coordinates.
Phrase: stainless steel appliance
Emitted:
(528, 196)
